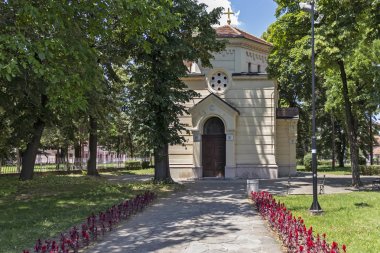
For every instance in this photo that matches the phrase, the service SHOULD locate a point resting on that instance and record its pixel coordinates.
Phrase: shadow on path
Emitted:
(209, 216)
(303, 183)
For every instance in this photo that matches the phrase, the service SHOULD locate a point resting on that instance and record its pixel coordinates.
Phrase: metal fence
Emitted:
(77, 165)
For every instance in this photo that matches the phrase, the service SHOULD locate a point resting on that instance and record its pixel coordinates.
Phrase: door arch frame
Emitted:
(217, 150)
(213, 106)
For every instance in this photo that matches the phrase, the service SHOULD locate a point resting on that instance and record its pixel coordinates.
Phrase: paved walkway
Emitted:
(209, 216)
(303, 184)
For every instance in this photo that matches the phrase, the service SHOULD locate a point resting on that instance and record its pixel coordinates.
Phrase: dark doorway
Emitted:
(213, 148)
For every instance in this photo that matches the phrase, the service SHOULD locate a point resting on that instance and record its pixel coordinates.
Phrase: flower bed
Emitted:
(94, 226)
(291, 230)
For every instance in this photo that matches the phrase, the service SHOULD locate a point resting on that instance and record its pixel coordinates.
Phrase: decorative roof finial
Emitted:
(229, 17)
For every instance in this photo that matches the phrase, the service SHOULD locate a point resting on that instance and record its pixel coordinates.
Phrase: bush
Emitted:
(145, 164)
(370, 170)
(307, 162)
(300, 161)
(362, 160)
(133, 165)
(324, 162)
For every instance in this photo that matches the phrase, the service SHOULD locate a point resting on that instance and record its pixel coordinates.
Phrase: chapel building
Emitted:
(236, 129)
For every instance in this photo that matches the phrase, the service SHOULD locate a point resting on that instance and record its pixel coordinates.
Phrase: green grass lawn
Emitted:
(48, 205)
(38, 168)
(146, 172)
(352, 219)
(326, 169)
(7, 169)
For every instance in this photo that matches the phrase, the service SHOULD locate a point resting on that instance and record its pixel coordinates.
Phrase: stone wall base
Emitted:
(186, 172)
(287, 170)
(257, 171)
(245, 171)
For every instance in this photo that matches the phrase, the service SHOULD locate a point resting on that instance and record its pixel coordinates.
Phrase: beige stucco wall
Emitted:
(257, 145)
(286, 139)
(235, 58)
(253, 132)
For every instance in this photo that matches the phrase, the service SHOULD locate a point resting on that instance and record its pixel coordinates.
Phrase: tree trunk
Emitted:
(333, 143)
(161, 164)
(77, 155)
(351, 129)
(67, 157)
(57, 160)
(18, 160)
(62, 158)
(370, 140)
(29, 156)
(92, 145)
(83, 158)
(341, 149)
(118, 146)
(131, 149)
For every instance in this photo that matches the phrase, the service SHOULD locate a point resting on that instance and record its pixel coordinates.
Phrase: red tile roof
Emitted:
(228, 31)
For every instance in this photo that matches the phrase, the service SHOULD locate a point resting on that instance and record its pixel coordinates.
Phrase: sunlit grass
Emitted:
(48, 205)
(147, 172)
(327, 169)
(351, 219)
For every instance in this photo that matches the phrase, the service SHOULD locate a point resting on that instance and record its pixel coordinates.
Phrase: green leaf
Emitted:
(8, 77)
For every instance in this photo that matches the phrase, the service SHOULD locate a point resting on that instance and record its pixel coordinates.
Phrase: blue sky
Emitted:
(253, 16)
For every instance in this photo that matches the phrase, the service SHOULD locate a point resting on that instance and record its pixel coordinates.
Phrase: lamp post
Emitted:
(315, 207)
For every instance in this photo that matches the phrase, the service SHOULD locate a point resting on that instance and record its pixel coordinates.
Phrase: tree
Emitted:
(40, 67)
(339, 39)
(54, 54)
(289, 64)
(116, 135)
(365, 73)
(126, 28)
(346, 25)
(156, 94)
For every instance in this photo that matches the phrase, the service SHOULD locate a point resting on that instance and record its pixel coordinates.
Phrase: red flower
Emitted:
(310, 243)
(310, 231)
(344, 247)
(301, 248)
(85, 235)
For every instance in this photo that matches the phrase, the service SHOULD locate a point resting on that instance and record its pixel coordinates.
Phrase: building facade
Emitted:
(235, 127)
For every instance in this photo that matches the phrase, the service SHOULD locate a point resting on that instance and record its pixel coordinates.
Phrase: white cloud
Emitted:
(212, 4)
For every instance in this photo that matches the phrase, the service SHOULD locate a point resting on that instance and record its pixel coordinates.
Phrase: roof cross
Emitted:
(228, 13)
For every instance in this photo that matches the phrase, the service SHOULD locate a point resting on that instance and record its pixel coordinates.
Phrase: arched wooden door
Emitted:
(213, 148)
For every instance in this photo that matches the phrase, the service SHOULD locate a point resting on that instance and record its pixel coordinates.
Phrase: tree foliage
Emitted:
(63, 64)
(156, 94)
(57, 59)
(347, 83)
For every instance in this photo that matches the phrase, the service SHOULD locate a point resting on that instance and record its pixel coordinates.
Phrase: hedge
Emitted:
(370, 170)
(133, 165)
(307, 162)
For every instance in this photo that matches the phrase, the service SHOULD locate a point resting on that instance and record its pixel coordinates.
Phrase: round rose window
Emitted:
(219, 81)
